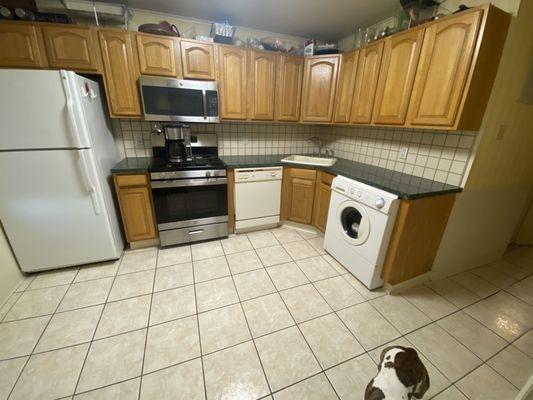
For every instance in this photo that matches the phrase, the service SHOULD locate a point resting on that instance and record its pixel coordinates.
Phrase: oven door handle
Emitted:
(188, 182)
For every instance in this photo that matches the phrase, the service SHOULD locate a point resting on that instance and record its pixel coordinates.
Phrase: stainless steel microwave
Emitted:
(168, 99)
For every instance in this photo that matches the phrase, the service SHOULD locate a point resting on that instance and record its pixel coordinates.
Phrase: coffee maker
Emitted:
(178, 142)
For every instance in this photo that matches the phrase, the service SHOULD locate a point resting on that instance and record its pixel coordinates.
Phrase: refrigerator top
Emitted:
(42, 110)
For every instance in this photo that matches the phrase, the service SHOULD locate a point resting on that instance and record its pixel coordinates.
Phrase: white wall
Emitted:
(10, 274)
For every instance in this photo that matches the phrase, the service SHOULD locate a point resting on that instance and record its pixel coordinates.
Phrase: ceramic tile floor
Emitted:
(264, 315)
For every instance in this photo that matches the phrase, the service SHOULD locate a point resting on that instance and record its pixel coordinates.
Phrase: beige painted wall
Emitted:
(498, 188)
(10, 274)
(525, 232)
(188, 26)
(511, 6)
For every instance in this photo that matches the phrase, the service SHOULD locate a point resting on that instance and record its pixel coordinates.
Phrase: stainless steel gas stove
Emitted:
(190, 197)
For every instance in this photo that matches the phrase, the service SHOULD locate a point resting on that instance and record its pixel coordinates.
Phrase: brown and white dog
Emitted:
(401, 376)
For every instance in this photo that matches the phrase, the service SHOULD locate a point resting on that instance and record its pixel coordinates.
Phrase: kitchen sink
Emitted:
(310, 160)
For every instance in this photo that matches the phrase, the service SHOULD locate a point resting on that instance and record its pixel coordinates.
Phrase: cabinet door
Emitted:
(72, 47)
(232, 82)
(345, 88)
(20, 46)
(136, 210)
(321, 204)
(302, 196)
(443, 70)
(320, 81)
(289, 88)
(366, 81)
(198, 60)
(262, 85)
(158, 55)
(400, 60)
(120, 72)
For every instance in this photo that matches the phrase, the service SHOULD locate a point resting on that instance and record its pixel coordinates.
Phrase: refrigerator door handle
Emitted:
(88, 182)
(71, 113)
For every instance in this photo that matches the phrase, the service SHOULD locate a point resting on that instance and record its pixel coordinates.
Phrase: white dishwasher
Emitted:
(257, 197)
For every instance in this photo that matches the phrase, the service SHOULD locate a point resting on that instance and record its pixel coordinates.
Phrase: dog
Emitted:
(401, 376)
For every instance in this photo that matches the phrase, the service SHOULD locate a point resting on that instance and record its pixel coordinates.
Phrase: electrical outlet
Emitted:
(245, 142)
(403, 152)
(501, 132)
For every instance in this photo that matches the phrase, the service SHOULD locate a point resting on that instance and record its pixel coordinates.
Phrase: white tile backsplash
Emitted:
(432, 154)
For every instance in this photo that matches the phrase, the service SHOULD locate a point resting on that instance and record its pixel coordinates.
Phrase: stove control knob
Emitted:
(207, 174)
(380, 202)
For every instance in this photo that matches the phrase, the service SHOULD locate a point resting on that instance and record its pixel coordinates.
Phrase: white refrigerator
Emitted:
(56, 153)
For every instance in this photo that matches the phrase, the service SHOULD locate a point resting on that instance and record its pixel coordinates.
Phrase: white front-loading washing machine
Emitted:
(360, 223)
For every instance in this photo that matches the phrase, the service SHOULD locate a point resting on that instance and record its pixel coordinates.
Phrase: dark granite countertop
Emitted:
(133, 165)
(403, 185)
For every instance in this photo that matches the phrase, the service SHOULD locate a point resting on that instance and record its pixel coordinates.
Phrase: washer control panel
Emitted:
(368, 195)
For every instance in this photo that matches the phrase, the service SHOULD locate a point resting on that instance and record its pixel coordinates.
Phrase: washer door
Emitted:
(353, 222)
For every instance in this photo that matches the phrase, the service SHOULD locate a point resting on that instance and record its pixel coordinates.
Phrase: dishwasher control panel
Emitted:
(258, 174)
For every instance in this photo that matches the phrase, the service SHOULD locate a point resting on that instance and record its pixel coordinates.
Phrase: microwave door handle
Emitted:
(204, 97)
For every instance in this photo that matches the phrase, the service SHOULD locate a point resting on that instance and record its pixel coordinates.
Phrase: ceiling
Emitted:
(319, 19)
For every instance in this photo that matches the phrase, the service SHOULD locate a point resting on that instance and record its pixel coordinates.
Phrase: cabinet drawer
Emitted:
(303, 173)
(131, 180)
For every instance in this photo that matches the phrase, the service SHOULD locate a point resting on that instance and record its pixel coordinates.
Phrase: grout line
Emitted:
(248, 324)
(38, 340)
(277, 291)
(148, 324)
(96, 327)
(198, 327)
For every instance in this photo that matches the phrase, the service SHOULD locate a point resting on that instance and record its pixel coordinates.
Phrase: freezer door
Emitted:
(103, 148)
(52, 209)
(40, 110)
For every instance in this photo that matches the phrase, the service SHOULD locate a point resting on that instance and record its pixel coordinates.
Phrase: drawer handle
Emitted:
(196, 232)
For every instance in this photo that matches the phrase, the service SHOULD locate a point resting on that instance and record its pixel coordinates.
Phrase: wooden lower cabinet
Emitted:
(297, 195)
(135, 201)
(416, 237)
(321, 202)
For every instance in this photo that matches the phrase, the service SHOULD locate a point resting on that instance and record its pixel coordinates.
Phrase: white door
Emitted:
(52, 210)
(40, 110)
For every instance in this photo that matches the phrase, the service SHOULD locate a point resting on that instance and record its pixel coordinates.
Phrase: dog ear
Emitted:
(382, 356)
(411, 372)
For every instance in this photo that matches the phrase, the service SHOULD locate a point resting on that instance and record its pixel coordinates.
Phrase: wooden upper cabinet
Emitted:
(198, 60)
(158, 55)
(21, 46)
(398, 68)
(345, 88)
(262, 85)
(443, 70)
(289, 88)
(366, 82)
(121, 72)
(320, 81)
(232, 64)
(72, 47)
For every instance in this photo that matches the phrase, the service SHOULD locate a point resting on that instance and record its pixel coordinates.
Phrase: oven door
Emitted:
(167, 99)
(190, 202)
